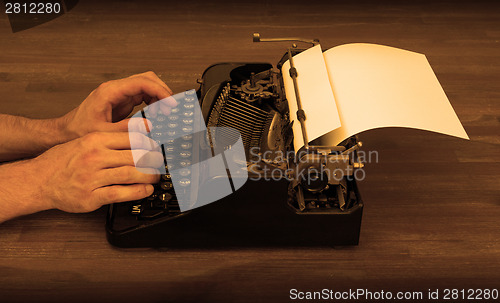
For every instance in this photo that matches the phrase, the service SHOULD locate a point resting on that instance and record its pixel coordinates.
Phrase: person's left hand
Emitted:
(106, 108)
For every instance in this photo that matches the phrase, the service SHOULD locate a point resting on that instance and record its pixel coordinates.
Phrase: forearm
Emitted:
(20, 190)
(23, 137)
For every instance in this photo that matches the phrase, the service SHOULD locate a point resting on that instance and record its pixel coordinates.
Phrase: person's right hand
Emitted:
(97, 169)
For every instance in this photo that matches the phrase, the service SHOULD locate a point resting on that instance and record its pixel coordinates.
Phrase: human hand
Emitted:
(106, 107)
(97, 169)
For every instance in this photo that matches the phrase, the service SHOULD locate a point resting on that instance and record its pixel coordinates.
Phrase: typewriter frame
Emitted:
(258, 214)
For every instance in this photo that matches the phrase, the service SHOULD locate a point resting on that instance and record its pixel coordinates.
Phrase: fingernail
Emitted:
(149, 189)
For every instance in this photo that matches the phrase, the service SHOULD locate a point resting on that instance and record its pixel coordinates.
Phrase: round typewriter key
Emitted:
(188, 114)
(169, 144)
(185, 154)
(159, 126)
(157, 135)
(189, 99)
(174, 110)
(169, 166)
(185, 163)
(153, 196)
(184, 182)
(166, 185)
(172, 125)
(187, 137)
(189, 105)
(186, 145)
(171, 133)
(187, 129)
(160, 118)
(188, 120)
(165, 197)
(166, 177)
(173, 117)
(190, 92)
(184, 172)
(169, 149)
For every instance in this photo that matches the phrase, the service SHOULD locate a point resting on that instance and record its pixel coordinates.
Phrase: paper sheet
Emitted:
(373, 86)
(380, 86)
(316, 96)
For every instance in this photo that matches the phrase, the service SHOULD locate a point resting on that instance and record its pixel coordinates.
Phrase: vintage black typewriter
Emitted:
(287, 200)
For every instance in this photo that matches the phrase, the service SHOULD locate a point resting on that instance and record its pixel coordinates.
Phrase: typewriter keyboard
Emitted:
(174, 133)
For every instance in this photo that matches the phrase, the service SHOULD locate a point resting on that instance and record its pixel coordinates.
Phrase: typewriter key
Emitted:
(157, 135)
(165, 197)
(186, 145)
(185, 154)
(185, 163)
(188, 114)
(171, 133)
(187, 129)
(184, 182)
(189, 105)
(166, 177)
(187, 121)
(189, 99)
(172, 125)
(187, 137)
(174, 110)
(169, 149)
(166, 185)
(184, 172)
(173, 117)
(153, 196)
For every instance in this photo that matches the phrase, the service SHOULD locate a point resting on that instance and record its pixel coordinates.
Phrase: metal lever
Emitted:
(256, 38)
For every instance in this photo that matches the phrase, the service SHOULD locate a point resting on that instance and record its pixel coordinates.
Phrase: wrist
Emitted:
(39, 171)
(64, 128)
(23, 192)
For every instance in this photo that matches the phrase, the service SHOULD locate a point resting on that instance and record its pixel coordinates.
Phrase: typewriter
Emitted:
(284, 199)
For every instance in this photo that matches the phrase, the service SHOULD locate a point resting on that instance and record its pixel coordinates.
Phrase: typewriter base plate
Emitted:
(255, 215)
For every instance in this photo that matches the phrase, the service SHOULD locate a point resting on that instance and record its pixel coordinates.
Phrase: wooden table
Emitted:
(432, 215)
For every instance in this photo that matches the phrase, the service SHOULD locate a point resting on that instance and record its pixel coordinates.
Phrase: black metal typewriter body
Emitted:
(273, 207)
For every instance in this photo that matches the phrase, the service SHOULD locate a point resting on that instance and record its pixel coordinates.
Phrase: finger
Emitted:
(122, 193)
(135, 124)
(169, 101)
(146, 158)
(134, 86)
(167, 104)
(138, 99)
(140, 125)
(139, 158)
(128, 140)
(166, 110)
(153, 76)
(152, 109)
(127, 175)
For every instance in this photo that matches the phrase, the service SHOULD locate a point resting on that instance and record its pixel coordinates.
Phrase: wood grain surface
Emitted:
(432, 202)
